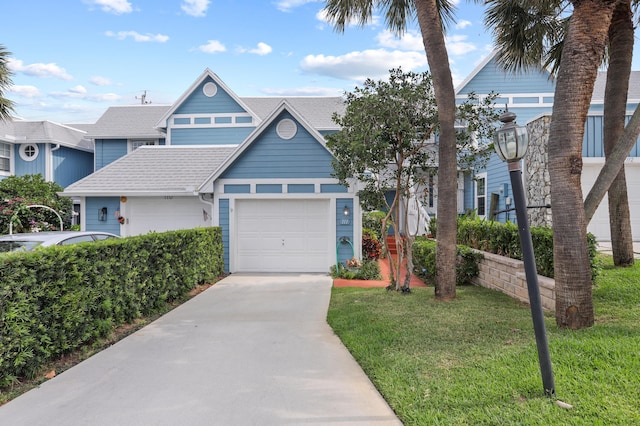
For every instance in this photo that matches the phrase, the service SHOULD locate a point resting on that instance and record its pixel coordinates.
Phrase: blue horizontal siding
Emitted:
(269, 156)
(344, 228)
(210, 136)
(37, 166)
(237, 189)
(92, 208)
(301, 188)
(109, 150)
(223, 214)
(71, 165)
(268, 188)
(198, 103)
(328, 188)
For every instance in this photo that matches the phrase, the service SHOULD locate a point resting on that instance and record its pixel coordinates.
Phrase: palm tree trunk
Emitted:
(438, 59)
(582, 53)
(621, 33)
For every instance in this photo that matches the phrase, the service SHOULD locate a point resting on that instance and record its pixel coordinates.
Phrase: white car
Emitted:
(29, 241)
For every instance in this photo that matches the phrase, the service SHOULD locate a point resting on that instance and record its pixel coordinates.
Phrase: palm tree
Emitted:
(432, 15)
(6, 106)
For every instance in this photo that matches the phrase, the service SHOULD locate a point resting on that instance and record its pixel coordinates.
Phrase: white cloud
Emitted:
(117, 7)
(458, 45)
(212, 46)
(359, 66)
(38, 69)
(80, 93)
(26, 91)
(100, 81)
(121, 35)
(411, 40)
(287, 5)
(261, 49)
(81, 90)
(461, 25)
(197, 8)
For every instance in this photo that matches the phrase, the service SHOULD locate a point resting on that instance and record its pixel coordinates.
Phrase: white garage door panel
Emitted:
(599, 225)
(282, 236)
(161, 214)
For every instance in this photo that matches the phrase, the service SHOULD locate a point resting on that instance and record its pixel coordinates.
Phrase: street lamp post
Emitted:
(511, 142)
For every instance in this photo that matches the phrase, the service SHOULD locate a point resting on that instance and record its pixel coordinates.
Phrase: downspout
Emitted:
(201, 198)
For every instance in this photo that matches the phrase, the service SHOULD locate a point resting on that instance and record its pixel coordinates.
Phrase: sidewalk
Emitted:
(605, 247)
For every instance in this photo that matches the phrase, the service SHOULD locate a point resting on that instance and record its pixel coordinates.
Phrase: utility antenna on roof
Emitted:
(143, 98)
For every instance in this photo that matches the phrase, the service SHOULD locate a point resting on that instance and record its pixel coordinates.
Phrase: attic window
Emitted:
(210, 89)
(29, 152)
(286, 128)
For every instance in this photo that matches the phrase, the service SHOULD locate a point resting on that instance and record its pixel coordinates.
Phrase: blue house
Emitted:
(256, 167)
(529, 94)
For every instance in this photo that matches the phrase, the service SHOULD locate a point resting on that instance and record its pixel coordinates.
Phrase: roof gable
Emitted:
(207, 95)
(267, 154)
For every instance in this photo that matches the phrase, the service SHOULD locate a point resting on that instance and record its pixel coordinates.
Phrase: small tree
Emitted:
(388, 143)
(19, 192)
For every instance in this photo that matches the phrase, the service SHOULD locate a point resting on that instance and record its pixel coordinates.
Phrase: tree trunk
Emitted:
(438, 59)
(582, 53)
(615, 107)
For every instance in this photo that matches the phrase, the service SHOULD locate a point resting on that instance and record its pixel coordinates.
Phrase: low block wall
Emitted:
(507, 275)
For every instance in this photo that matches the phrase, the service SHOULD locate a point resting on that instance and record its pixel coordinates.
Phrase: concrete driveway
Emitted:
(251, 350)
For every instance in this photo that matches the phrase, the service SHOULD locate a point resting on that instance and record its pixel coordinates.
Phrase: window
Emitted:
(135, 144)
(481, 194)
(5, 157)
(29, 152)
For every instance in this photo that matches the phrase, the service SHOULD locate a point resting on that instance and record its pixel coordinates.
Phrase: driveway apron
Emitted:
(251, 350)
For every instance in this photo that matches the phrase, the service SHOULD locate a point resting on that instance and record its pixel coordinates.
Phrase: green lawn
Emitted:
(474, 361)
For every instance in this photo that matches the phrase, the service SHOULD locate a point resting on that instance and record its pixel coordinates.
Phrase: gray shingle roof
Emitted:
(164, 170)
(316, 110)
(26, 131)
(132, 121)
(601, 81)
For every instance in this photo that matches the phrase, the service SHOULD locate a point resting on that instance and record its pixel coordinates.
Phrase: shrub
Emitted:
(373, 222)
(424, 260)
(369, 270)
(371, 245)
(55, 299)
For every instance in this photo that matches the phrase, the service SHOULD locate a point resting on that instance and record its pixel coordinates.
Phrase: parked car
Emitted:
(29, 241)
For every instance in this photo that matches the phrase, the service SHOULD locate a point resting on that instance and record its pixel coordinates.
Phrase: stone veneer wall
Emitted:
(507, 276)
(536, 173)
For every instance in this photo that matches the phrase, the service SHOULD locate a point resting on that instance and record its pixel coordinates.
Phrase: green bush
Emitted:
(373, 222)
(370, 270)
(371, 245)
(55, 299)
(503, 239)
(424, 261)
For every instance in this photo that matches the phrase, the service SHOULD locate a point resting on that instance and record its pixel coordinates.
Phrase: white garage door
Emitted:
(159, 214)
(599, 225)
(282, 236)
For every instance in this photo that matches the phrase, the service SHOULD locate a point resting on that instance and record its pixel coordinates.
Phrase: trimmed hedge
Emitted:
(503, 239)
(55, 299)
(424, 261)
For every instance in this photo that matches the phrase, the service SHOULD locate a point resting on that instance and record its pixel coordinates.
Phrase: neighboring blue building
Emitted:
(530, 96)
(257, 167)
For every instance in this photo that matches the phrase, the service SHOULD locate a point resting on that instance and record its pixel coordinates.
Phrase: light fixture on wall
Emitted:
(102, 214)
(511, 142)
(345, 211)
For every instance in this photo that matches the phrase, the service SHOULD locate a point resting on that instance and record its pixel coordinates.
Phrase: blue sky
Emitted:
(71, 59)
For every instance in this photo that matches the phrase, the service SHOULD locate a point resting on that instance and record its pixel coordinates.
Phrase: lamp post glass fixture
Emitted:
(511, 142)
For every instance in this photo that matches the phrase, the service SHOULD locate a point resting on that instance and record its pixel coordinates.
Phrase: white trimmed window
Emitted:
(5, 157)
(481, 194)
(29, 151)
(137, 143)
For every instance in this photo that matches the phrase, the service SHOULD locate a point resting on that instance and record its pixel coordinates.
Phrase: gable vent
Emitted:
(210, 89)
(287, 128)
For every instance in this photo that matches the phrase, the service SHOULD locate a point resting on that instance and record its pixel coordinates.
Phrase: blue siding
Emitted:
(237, 189)
(301, 188)
(272, 157)
(223, 215)
(268, 188)
(493, 79)
(469, 192)
(93, 206)
(497, 178)
(210, 136)
(344, 228)
(34, 167)
(328, 188)
(71, 165)
(593, 144)
(109, 150)
(198, 103)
